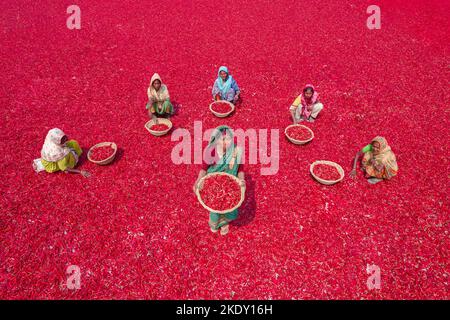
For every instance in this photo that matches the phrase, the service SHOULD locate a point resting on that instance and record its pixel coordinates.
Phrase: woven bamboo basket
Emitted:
(165, 121)
(107, 160)
(197, 192)
(221, 115)
(327, 182)
(298, 141)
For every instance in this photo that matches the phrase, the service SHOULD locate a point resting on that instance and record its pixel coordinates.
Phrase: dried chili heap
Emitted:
(299, 133)
(101, 153)
(221, 107)
(159, 127)
(326, 172)
(220, 192)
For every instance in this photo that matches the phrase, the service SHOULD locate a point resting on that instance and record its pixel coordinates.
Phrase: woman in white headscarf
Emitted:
(59, 154)
(158, 98)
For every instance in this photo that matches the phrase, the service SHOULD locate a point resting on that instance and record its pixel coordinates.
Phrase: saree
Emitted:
(229, 163)
(385, 158)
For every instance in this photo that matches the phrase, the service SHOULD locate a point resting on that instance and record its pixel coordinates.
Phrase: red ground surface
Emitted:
(135, 228)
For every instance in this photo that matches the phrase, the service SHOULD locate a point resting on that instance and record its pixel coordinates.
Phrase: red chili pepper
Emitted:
(159, 127)
(326, 172)
(221, 107)
(298, 133)
(101, 153)
(220, 192)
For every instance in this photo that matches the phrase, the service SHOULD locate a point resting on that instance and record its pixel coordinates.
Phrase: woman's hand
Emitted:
(242, 183)
(379, 167)
(149, 105)
(198, 185)
(85, 174)
(352, 173)
(82, 172)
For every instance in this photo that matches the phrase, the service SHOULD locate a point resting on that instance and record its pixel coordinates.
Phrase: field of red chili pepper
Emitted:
(135, 228)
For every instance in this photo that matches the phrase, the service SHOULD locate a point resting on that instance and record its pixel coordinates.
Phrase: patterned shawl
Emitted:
(52, 149)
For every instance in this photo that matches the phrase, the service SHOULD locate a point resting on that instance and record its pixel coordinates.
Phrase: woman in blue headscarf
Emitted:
(225, 87)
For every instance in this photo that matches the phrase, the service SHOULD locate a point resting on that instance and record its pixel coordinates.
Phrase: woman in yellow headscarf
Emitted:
(378, 161)
(60, 154)
(158, 98)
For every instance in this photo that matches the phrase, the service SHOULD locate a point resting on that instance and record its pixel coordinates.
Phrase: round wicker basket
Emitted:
(107, 160)
(298, 141)
(330, 163)
(165, 121)
(218, 114)
(197, 192)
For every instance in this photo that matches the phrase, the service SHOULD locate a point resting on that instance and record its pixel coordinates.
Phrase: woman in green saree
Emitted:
(222, 156)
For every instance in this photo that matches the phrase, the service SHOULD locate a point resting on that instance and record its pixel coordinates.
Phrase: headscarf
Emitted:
(224, 87)
(231, 158)
(53, 150)
(385, 157)
(308, 102)
(158, 96)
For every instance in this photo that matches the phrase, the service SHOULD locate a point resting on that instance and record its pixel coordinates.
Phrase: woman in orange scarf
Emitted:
(378, 161)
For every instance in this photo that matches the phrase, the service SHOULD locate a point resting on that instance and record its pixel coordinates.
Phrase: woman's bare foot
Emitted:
(374, 180)
(224, 230)
(214, 230)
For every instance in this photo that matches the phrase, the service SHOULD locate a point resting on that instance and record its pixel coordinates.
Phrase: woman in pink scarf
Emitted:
(306, 106)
